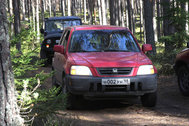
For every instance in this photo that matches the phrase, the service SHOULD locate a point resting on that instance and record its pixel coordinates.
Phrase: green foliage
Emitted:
(164, 61)
(57, 121)
(178, 18)
(33, 100)
(176, 37)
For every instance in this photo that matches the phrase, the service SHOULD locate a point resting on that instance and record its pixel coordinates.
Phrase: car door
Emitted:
(61, 58)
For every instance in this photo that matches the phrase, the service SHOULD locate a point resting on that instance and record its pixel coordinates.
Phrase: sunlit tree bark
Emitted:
(9, 112)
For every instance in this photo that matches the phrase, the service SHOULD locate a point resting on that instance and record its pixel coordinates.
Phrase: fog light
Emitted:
(47, 46)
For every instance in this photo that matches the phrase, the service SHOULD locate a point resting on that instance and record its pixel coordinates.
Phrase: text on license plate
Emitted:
(118, 81)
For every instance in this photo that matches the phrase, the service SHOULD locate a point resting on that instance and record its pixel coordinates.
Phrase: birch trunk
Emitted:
(33, 13)
(11, 15)
(37, 20)
(100, 12)
(23, 10)
(187, 30)
(50, 9)
(69, 7)
(85, 6)
(104, 22)
(62, 7)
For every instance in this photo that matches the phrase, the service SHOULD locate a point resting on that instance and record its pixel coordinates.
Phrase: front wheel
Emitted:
(43, 56)
(70, 99)
(149, 99)
(54, 81)
(183, 80)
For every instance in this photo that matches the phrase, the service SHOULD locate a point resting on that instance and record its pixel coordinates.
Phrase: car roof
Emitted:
(64, 18)
(97, 27)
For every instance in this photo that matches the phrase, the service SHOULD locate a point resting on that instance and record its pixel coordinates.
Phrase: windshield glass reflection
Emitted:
(103, 40)
(59, 25)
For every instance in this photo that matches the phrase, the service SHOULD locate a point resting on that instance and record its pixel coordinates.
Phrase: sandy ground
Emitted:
(172, 109)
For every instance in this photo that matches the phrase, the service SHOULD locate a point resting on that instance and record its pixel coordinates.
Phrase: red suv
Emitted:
(182, 70)
(103, 62)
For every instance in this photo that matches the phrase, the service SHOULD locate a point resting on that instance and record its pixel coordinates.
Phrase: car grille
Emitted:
(114, 71)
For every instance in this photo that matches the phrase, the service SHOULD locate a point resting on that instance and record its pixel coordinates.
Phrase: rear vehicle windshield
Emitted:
(103, 40)
(59, 25)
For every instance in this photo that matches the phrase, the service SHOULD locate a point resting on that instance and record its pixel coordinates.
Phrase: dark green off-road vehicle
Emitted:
(54, 26)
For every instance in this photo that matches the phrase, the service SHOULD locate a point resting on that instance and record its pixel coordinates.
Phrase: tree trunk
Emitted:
(122, 13)
(33, 13)
(37, 20)
(54, 7)
(155, 22)
(119, 12)
(112, 16)
(23, 10)
(91, 10)
(85, 6)
(141, 21)
(126, 15)
(73, 7)
(100, 12)
(42, 12)
(50, 9)
(129, 14)
(62, 7)
(9, 112)
(158, 20)
(116, 12)
(69, 7)
(148, 16)
(16, 4)
(11, 15)
(168, 28)
(187, 7)
(29, 9)
(104, 22)
(132, 16)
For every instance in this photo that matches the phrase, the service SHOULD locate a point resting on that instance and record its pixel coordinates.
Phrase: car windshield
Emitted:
(103, 40)
(59, 25)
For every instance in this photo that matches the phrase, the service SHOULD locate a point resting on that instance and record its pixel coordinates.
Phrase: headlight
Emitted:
(145, 70)
(48, 41)
(80, 70)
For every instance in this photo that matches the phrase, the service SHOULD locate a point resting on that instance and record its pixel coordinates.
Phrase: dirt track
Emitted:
(172, 109)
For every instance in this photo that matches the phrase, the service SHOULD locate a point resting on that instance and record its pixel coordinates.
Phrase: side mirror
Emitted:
(42, 31)
(187, 44)
(146, 47)
(59, 49)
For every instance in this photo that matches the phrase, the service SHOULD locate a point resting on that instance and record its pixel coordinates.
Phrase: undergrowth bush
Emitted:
(164, 61)
(33, 100)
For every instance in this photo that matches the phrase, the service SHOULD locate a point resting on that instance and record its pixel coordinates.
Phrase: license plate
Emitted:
(118, 81)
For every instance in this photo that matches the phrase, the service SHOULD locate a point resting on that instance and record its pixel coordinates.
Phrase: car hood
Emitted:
(110, 59)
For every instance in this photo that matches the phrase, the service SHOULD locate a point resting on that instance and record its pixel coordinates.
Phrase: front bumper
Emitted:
(92, 87)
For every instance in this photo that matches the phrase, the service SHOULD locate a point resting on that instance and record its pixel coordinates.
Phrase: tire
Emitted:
(183, 80)
(70, 100)
(54, 81)
(55, 84)
(149, 99)
(43, 56)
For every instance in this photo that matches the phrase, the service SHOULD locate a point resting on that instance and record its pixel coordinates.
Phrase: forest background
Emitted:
(161, 23)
